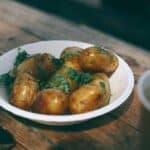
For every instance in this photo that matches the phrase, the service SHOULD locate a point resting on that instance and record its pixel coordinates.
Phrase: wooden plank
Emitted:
(99, 133)
(24, 135)
(48, 26)
(11, 37)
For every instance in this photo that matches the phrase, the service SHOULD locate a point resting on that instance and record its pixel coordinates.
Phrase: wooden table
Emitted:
(118, 130)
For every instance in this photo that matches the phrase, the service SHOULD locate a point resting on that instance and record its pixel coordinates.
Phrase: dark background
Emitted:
(126, 19)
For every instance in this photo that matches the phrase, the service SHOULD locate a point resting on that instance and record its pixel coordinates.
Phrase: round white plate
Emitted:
(121, 83)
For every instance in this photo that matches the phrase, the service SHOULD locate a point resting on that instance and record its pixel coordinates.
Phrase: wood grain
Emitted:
(120, 129)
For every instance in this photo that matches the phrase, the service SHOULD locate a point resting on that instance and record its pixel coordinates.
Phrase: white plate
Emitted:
(121, 83)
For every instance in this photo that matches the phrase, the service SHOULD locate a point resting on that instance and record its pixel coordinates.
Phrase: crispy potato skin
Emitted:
(50, 101)
(71, 57)
(24, 91)
(33, 64)
(98, 60)
(90, 96)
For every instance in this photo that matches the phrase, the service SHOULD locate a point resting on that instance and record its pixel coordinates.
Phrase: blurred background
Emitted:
(128, 20)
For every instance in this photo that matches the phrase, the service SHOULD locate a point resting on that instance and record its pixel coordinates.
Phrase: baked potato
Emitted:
(102, 80)
(96, 59)
(40, 66)
(50, 101)
(61, 80)
(70, 55)
(90, 96)
(24, 91)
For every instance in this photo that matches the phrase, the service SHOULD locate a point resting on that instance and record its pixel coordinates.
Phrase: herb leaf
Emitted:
(58, 82)
(21, 56)
(7, 80)
(103, 86)
(80, 77)
(57, 62)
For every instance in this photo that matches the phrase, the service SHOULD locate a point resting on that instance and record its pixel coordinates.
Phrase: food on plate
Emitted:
(90, 96)
(96, 59)
(71, 56)
(77, 82)
(24, 91)
(41, 66)
(50, 101)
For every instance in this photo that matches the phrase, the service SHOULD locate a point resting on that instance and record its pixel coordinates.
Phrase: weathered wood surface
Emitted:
(120, 129)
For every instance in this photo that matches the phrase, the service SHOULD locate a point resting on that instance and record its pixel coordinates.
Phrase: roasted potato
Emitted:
(85, 99)
(40, 66)
(101, 80)
(61, 80)
(27, 66)
(95, 59)
(50, 101)
(24, 91)
(70, 55)
(90, 96)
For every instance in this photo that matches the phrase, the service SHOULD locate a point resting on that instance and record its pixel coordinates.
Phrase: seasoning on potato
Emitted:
(90, 96)
(96, 59)
(41, 66)
(74, 83)
(71, 55)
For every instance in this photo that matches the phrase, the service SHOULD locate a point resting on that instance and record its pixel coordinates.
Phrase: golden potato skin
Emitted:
(101, 77)
(71, 55)
(95, 59)
(24, 91)
(27, 66)
(91, 96)
(85, 99)
(50, 101)
(45, 64)
(36, 64)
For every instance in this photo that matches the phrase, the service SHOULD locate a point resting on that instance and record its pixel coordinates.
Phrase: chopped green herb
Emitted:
(7, 80)
(80, 77)
(58, 82)
(21, 56)
(57, 62)
(40, 72)
(103, 86)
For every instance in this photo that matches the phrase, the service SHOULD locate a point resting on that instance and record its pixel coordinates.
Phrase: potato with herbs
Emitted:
(41, 66)
(67, 79)
(96, 59)
(24, 91)
(71, 55)
(50, 101)
(102, 80)
(90, 96)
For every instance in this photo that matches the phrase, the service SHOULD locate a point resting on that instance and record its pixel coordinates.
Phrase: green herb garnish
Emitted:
(103, 86)
(7, 79)
(21, 56)
(58, 82)
(57, 62)
(80, 77)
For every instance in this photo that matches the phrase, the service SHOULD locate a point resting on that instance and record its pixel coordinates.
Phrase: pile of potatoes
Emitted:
(27, 95)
